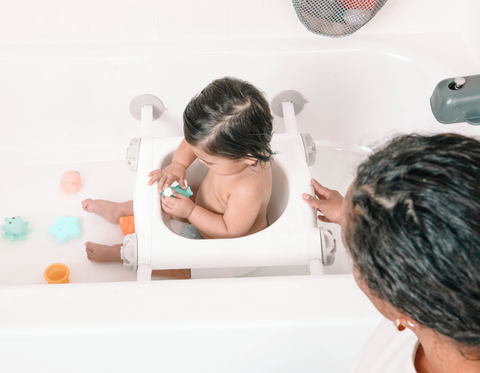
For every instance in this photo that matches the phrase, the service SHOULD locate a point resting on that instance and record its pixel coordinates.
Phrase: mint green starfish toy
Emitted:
(65, 228)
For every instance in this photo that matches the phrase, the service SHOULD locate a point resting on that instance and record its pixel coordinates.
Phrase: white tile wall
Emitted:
(76, 6)
(54, 28)
(471, 26)
(193, 25)
(94, 21)
(23, 7)
(155, 5)
(263, 23)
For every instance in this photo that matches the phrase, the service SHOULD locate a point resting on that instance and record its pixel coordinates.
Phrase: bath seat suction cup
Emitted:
(295, 97)
(329, 247)
(138, 102)
(129, 252)
(133, 152)
(310, 149)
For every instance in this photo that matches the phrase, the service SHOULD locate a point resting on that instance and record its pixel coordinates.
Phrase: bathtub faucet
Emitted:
(457, 100)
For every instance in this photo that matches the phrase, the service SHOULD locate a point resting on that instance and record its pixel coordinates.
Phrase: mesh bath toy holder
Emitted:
(336, 18)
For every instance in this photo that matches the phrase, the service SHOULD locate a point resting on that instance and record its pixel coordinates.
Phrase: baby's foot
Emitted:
(110, 211)
(103, 253)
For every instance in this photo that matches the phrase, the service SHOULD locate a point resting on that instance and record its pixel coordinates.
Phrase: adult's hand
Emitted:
(329, 203)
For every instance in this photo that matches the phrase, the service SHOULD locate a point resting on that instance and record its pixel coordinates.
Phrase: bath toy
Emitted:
(127, 225)
(57, 273)
(168, 191)
(65, 229)
(70, 181)
(15, 228)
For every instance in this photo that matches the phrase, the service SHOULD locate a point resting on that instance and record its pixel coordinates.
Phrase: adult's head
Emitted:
(412, 226)
(230, 118)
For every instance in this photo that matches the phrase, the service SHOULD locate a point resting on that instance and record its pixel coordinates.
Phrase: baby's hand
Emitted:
(179, 206)
(173, 172)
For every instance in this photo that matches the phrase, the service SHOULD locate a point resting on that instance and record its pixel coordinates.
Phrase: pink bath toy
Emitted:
(70, 181)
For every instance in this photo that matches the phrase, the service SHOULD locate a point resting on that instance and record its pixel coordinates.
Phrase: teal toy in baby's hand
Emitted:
(168, 191)
(15, 228)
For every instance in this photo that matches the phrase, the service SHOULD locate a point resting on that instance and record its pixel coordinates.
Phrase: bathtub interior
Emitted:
(370, 96)
(33, 193)
(360, 91)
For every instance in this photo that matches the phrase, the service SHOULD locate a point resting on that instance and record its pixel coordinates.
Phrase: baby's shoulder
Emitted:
(255, 183)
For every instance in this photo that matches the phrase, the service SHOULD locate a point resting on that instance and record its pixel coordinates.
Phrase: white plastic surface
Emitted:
(297, 324)
(289, 117)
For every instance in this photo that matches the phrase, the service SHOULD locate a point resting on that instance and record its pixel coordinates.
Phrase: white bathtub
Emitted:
(68, 108)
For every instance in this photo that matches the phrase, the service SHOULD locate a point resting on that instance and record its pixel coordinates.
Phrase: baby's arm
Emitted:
(183, 158)
(243, 207)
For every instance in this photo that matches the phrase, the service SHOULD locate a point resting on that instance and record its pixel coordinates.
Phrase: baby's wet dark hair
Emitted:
(414, 231)
(230, 118)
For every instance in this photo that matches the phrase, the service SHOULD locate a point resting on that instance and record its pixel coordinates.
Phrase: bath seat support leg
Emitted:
(289, 116)
(147, 121)
(144, 272)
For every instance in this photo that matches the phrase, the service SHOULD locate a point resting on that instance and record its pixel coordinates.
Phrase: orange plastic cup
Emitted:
(57, 273)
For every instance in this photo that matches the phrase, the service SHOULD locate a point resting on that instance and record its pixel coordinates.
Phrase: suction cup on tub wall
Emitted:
(295, 97)
(138, 102)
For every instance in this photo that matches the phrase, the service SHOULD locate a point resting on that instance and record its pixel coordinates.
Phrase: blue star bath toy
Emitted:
(65, 229)
(15, 228)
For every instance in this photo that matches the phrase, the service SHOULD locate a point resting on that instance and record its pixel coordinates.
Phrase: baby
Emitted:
(228, 127)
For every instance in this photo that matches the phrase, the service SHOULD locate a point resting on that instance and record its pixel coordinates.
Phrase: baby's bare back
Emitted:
(216, 191)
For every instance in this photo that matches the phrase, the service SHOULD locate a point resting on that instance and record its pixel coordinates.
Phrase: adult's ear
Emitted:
(407, 323)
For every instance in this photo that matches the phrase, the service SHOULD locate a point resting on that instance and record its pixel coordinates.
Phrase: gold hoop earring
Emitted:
(399, 325)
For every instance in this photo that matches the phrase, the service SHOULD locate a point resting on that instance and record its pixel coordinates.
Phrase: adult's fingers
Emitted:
(321, 191)
(324, 219)
(313, 201)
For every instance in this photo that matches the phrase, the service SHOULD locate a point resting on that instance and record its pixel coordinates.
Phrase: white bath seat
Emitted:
(291, 239)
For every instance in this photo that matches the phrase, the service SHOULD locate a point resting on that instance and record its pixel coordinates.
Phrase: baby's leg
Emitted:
(103, 253)
(175, 273)
(110, 211)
